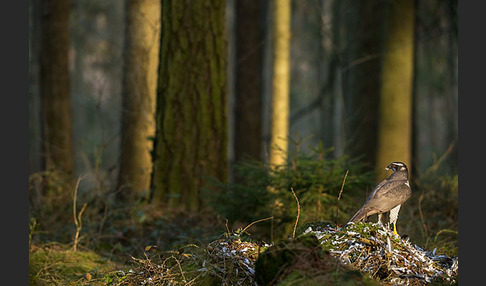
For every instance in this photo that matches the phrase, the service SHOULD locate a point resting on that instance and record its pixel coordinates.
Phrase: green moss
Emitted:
(303, 261)
(59, 265)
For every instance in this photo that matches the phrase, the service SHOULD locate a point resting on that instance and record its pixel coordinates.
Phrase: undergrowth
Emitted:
(326, 188)
(434, 212)
(316, 178)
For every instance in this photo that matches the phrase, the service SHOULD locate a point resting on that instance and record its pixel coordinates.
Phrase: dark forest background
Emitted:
(159, 117)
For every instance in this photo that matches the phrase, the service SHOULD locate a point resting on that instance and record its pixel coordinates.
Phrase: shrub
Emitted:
(315, 177)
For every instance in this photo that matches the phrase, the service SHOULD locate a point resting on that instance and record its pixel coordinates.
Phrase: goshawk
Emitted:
(388, 195)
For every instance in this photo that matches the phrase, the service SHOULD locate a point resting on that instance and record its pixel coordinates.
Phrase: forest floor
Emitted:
(106, 242)
(361, 254)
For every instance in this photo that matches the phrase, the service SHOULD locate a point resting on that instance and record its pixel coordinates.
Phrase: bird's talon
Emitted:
(395, 233)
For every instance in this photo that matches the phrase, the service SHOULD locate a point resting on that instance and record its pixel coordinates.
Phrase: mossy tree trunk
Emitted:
(395, 112)
(248, 101)
(139, 95)
(191, 139)
(55, 91)
(280, 83)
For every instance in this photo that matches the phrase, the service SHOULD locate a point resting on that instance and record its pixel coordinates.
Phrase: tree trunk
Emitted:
(55, 90)
(281, 80)
(191, 140)
(395, 113)
(248, 101)
(139, 95)
(361, 76)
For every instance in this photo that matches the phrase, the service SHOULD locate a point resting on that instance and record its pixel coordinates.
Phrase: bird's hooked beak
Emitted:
(395, 166)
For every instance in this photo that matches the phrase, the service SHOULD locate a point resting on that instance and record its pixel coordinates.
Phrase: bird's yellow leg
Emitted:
(395, 233)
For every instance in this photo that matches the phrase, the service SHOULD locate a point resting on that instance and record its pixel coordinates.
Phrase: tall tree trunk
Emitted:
(281, 80)
(191, 139)
(361, 75)
(395, 113)
(55, 89)
(248, 101)
(139, 95)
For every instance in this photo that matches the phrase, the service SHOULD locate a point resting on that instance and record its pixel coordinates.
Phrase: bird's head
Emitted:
(397, 166)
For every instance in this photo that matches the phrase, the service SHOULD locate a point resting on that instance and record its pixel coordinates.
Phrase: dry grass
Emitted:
(57, 264)
(226, 261)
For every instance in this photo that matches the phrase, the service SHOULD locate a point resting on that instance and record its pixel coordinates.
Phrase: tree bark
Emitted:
(55, 89)
(248, 101)
(191, 139)
(361, 76)
(281, 80)
(139, 95)
(395, 112)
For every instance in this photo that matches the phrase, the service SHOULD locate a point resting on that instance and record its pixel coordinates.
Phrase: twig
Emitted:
(260, 220)
(362, 239)
(445, 231)
(422, 218)
(360, 61)
(340, 192)
(180, 269)
(226, 224)
(342, 186)
(77, 218)
(439, 161)
(79, 225)
(298, 211)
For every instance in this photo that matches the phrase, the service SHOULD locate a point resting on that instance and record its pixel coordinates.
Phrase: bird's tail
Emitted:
(358, 216)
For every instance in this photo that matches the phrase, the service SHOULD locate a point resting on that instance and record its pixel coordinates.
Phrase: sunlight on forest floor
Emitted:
(148, 244)
(364, 253)
(57, 264)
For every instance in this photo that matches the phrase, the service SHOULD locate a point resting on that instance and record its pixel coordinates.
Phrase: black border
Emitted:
(472, 144)
(14, 126)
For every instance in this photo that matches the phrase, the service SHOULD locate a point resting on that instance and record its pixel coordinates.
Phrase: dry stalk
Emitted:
(444, 231)
(342, 186)
(340, 193)
(180, 269)
(77, 218)
(298, 211)
(226, 224)
(422, 218)
(260, 220)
